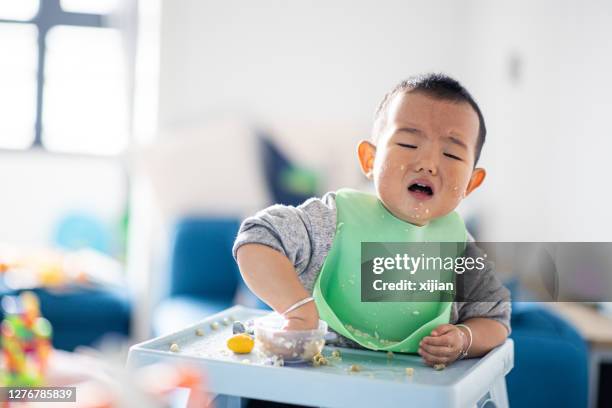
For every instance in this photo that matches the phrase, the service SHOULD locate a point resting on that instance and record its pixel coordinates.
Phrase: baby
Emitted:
(427, 137)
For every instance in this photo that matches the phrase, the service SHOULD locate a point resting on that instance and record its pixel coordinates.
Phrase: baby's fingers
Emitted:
(442, 329)
(441, 351)
(437, 341)
(431, 359)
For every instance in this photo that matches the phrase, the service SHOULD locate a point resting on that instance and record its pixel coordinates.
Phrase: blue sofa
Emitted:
(550, 367)
(550, 360)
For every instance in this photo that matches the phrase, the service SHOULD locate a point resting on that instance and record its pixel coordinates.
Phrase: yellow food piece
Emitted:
(389, 354)
(240, 343)
(199, 332)
(439, 367)
(354, 368)
(336, 353)
(174, 348)
(409, 371)
(318, 360)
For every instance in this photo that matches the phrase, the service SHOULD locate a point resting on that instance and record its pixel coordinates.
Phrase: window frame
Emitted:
(49, 15)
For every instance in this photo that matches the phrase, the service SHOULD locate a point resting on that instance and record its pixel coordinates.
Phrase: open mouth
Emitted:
(421, 189)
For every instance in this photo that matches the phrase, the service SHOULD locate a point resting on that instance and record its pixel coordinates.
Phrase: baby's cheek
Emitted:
(389, 173)
(451, 198)
(458, 185)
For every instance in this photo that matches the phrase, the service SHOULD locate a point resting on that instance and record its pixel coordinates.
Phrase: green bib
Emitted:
(392, 326)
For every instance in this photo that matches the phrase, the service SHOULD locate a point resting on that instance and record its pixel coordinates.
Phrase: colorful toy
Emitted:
(26, 341)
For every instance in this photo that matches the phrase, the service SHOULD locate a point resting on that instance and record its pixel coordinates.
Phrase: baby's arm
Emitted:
(484, 307)
(272, 277)
(447, 341)
(486, 335)
(280, 250)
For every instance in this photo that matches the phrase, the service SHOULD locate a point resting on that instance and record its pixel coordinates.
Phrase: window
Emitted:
(18, 85)
(63, 77)
(22, 10)
(89, 6)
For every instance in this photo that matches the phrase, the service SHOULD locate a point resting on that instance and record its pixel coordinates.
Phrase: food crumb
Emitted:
(318, 360)
(174, 348)
(277, 361)
(409, 371)
(226, 321)
(336, 354)
(246, 361)
(439, 367)
(214, 325)
(354, 368)
(390, 354)
(199, 332)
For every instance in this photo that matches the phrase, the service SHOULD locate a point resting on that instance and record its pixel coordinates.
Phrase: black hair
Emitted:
(437, 86)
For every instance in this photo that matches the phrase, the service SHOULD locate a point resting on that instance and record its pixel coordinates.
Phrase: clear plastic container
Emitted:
(293, 346)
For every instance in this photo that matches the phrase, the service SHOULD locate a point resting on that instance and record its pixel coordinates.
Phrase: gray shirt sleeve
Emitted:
(304, 234)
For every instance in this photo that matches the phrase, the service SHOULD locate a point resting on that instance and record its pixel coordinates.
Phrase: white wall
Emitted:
(549, 133)
(38, 188)
(314, 71)
(316, 60)
(310, 72)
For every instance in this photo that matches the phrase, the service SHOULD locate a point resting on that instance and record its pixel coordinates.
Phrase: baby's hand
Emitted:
(295, 323)
(303, 318)
(443, 346)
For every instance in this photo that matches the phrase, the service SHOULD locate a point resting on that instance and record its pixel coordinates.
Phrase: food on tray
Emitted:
(318, 359)
(240, 343)
(439, 367)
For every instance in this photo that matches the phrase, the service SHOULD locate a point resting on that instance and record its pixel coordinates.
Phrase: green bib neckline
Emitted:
(390, 326)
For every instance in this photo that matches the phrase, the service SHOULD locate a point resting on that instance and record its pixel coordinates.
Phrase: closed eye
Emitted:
(452, 156)
(407, 145)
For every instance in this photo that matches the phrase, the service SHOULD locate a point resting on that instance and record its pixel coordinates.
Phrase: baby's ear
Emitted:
(366, 152)
(478, 176)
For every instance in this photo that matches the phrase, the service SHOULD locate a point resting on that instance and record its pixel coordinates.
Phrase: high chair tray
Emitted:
(381, 379)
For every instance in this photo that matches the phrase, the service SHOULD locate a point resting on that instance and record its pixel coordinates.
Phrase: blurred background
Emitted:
(135, 135)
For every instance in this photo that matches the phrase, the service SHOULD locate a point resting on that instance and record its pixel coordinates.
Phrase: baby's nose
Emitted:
(427, 166)
(427, 160)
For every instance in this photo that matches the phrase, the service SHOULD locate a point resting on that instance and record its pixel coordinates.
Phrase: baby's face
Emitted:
(423, 163)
